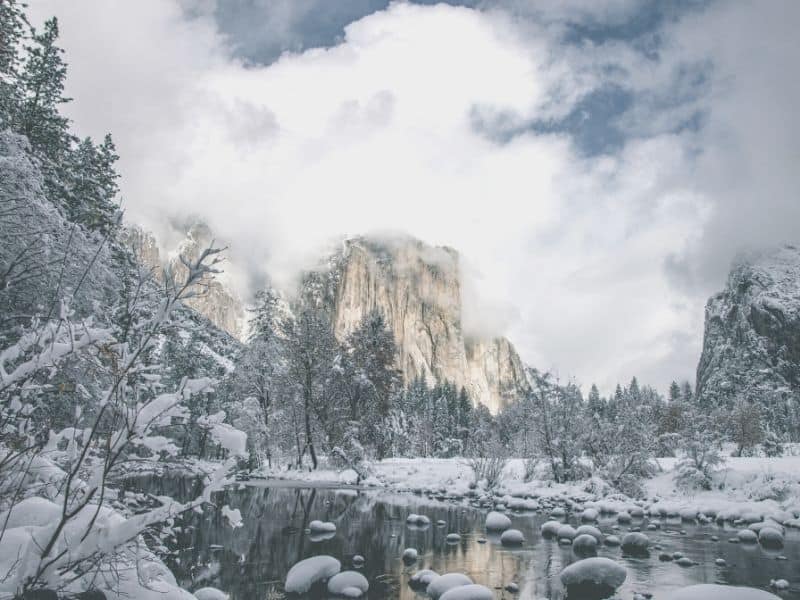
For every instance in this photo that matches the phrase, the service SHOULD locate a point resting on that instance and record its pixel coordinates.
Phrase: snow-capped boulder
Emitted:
(593, 577)
(585, 545)
(512, 537)
(418, 520)
(423, 578)
(496, 521)
(550, 528)
(317, 527)
(468, 592)
(747, 536)
(624, 517)
(453, 538)
(307, 572)
(590, 515)
(589, 530)
(566, 532)
(350, 584)
(770, 537)
(410, 555)
(635, 543)
(612, 541)
(712, 591)
(443, 583)
(210, 593)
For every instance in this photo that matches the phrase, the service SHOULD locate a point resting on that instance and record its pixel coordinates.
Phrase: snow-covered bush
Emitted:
(127, 412)
(700, 444)
(350, 454)
(772, 445)
(488, 469)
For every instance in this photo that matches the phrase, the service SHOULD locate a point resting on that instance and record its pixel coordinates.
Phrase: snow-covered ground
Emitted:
(766, 486)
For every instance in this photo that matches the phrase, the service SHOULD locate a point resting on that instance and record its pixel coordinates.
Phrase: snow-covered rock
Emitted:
(747, 536)
(770, 537)
(418, 520)
(307, 572)
(592, 576)
(584, 545)
(550, 528)
(322, 527)
(752, 329)
(210, 593)
(468, 592)
(709, 591)
(566, 532)
(589, 530)
(423, 577)
(512, 537)
(350, 584)
(589, 514)
(635, 543)
(443, 583)
(410, 555)
(496, 521)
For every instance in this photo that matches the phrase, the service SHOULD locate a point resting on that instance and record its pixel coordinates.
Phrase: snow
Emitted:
(33, 511)
(566, 532)
(448, 581)
(496, 521)
(770, 537)
(747, 536)
(233, 516)
(594, 572)
(350, 584)
(307, 572)
(550, 528)
(708, 591)
(635, 542)
(585, 544)
(423, 577)
(410, 555)
(210, 593)
(468, 592)
(590, 530)
(418, 520)
(322, 527)
(512, 537)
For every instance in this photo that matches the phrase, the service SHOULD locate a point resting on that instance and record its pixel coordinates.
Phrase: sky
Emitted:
(597, 163)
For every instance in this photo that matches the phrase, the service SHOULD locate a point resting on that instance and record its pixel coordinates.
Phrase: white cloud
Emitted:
(375, 133)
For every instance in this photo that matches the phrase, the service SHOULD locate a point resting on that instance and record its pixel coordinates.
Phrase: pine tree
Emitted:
(91, 195)
(674, 392)
(42, 82)
(686, 392)
(12, 31)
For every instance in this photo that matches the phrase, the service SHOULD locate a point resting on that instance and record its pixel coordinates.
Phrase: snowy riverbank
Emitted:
(769, 487)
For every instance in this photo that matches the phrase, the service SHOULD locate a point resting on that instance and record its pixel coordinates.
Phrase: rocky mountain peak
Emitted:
(217, 300)
(418, 289)
(751, 346)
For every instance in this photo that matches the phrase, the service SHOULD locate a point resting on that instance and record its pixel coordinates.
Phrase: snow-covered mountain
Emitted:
(418, 289)
(751, 346)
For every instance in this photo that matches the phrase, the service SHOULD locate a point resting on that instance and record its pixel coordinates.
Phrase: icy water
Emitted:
(251, 562)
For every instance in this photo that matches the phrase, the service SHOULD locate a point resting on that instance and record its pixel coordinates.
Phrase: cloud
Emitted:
(428, 119)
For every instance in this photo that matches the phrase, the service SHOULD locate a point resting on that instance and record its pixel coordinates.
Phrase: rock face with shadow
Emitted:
(418, 288)
(751, 346)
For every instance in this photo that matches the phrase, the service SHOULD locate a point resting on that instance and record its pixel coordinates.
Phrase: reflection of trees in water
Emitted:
(253, 560)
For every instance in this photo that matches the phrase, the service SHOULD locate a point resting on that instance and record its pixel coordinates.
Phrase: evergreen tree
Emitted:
(42, 82)
(674, 392)
(12, 31)
(91, 196)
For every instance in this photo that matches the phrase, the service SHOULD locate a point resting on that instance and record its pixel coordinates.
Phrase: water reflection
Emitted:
(251, 562)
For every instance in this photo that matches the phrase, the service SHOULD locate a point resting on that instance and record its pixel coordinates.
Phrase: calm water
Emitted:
(251, 562)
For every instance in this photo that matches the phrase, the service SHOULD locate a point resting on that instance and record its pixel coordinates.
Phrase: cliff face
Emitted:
(418, 289)
(751, 345)
(214, 300)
